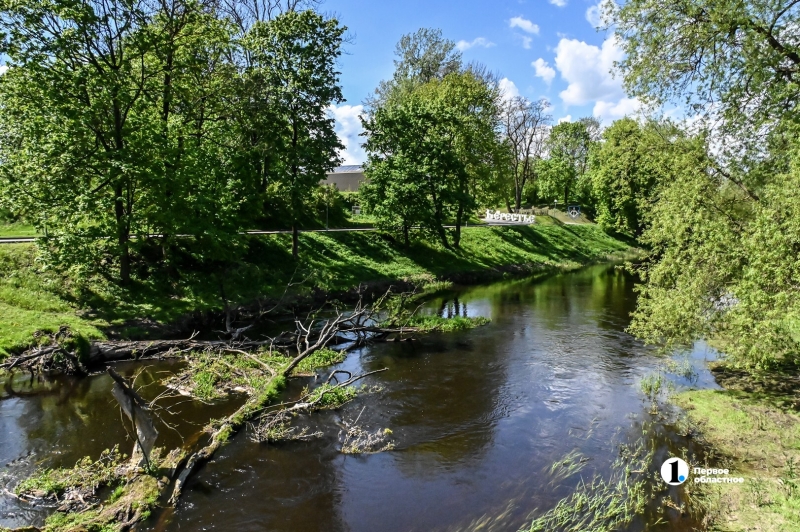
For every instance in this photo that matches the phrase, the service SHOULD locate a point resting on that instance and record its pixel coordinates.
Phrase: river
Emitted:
(476, 418)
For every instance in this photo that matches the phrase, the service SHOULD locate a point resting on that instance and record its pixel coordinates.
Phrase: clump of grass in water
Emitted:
(212, 375)
(600, 505)
(572, 463)
(439, 324)
(87, 474)
(652, 385)
(319, 359)
(330, 396)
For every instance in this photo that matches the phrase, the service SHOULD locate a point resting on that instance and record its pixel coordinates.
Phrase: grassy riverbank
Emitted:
(33, 298)
(751, 427)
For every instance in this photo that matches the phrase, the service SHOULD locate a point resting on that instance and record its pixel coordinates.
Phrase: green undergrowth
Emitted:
(87, 474)
(319, 359)
(599, 504)
(211, 375)
(133, 497)
(33, 297)
(428, 323)
(330, 396)
(753, 429)
(34, 300)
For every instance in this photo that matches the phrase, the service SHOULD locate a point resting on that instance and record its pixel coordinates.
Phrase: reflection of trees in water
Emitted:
(451, 308)
(450, 412)
(78, 417)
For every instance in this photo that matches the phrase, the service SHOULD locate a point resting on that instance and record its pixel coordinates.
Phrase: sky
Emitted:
(540, 48)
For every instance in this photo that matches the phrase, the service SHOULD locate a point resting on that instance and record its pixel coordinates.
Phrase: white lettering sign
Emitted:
(509, 218)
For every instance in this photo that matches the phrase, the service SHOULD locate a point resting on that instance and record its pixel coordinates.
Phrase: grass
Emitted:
(9, 230)
(599, 504)
(33, 298)
(331, 396)
(751, 430)
(428, 323)
(134, 496)
(87, 474)
(319, 359)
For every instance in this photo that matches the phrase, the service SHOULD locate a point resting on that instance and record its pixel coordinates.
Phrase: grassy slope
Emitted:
(32, 299)
(754, 429)
(13, 230)
(29, 301)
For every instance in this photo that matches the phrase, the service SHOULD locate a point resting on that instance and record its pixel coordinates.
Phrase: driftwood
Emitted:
(353, 329)
(50, 355)
(306, 404)
(310, 336)
(136, 409)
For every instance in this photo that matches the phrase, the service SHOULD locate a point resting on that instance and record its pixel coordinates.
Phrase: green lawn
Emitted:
(16, 230)
(749, 434)
(33, 298)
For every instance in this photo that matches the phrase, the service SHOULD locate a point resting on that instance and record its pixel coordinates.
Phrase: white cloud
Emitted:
(567, 118)
(524, 24)
(594, 15)
(526, 42)
(609, 111)
(508, 88)
(587, 71)
(559, 3)
(480, 41)
(348, 128)
(3, 69)
(544, 70)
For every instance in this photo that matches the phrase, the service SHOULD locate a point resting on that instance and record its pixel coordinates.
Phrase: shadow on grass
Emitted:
(780, 388)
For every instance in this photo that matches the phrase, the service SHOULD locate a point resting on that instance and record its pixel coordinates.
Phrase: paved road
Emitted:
(24, 239)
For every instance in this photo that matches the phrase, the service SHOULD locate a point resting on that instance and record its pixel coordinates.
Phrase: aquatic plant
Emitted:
(599, 505)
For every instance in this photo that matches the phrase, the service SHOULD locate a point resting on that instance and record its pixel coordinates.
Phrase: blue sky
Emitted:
(542, 48)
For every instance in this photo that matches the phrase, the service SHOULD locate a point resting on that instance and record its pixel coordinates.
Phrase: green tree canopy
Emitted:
(295, 54)
(627, 167)
(430, 154)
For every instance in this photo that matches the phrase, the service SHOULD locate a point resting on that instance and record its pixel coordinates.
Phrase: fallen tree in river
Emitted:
(258, 369)
(72, 354)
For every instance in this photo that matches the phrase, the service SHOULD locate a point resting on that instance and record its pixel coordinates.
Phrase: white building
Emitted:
(346, 178)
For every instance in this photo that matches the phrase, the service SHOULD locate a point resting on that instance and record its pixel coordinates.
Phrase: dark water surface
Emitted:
(477, 419)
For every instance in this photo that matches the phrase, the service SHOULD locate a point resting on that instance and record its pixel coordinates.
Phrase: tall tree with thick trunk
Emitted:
(296, 54)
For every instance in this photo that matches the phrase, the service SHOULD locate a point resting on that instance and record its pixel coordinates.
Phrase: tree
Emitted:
(627, 167)
(736, 63)
(401, 191)
(569, 145)
(525, 128)
(724, 223)
(79, 129)
(430, 151)
(296, 54)
(422, 56)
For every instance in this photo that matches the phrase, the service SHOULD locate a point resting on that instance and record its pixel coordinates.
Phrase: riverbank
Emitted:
(33, 298)
(752, 428)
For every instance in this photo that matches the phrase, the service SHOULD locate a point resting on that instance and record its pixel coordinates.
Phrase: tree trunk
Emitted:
(459, 220)
(442, 235)
(122, 237)
(405, 235)
(295, 242)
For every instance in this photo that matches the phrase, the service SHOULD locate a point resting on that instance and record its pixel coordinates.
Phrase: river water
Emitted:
(477, 418)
